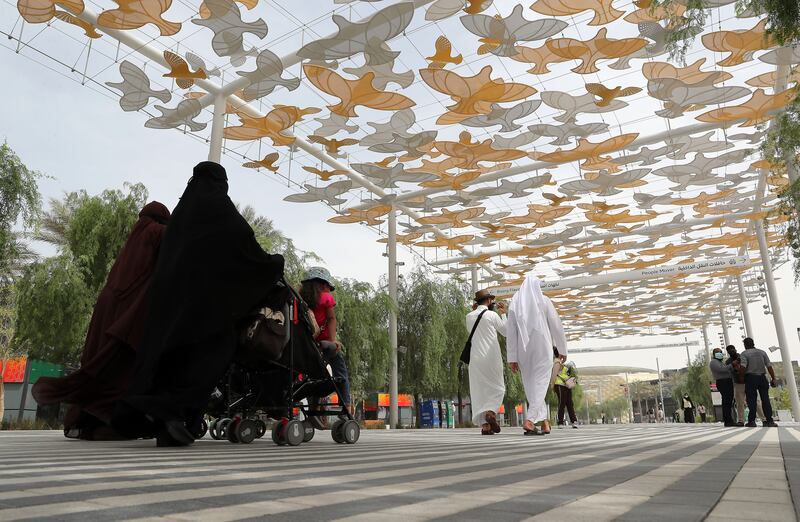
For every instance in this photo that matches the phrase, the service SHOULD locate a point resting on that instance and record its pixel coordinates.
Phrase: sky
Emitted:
(82, 140)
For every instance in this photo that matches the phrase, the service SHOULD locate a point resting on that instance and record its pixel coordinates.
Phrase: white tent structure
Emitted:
(497, 138)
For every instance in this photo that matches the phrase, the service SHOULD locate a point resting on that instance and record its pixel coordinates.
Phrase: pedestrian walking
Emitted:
(754, 366)
(534, 329)
(565, 381)
(486, 384)
(660, 414)
(701, 410)
(688, 409)
(724, 379)
(739, 395)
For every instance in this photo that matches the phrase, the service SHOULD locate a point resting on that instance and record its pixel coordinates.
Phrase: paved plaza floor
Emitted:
(638, 472)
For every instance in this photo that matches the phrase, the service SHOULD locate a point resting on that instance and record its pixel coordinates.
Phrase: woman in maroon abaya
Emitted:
(109, 356)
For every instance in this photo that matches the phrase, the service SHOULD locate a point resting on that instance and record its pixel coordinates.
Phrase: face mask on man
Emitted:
(491, 306)
(718, 355)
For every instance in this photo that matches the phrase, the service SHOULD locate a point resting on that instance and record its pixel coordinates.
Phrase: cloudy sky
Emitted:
(82, 140)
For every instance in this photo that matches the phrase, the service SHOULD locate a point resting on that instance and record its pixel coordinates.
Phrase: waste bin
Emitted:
(429, 414)
(450, 421)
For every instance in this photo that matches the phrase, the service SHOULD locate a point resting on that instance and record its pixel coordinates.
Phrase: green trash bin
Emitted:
(451, 415)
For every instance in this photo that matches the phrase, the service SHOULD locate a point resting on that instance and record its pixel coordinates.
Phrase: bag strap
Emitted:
(475, 326)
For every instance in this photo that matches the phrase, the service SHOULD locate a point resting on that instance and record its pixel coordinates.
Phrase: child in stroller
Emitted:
(279, 372)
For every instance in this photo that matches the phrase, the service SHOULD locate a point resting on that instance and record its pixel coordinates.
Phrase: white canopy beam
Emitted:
(633, 347)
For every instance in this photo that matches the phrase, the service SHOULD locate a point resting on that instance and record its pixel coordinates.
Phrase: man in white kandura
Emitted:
(533, 332)
(486, 385)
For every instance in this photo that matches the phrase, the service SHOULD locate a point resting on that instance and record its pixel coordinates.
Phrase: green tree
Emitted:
(19, 206)
(274, 241)
(53, 306)
(363, 322)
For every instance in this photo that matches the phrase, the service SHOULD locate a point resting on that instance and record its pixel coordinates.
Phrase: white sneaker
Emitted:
(574, 425)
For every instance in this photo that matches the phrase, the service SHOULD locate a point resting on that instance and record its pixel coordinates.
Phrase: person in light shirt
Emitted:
(486, 384)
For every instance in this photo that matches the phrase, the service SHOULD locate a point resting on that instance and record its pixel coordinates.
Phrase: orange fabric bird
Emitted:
(469, 153)
(89, 29)
(474, 94)
(353, 93)
(607, 95)
(42, 11)
(325, 175)
(442, 55)
(134, 14)
(740, 44)
(179, 69)
(597, 48)
(268, 163)
(270, 126)
(332, 146)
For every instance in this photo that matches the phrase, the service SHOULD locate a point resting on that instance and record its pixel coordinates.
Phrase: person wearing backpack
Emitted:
(486, 384)
(565, 381)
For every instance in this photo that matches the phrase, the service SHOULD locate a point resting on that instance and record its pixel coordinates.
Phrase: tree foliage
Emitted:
(683, 27)
(19, 204)
(53, 307)
(695, 382)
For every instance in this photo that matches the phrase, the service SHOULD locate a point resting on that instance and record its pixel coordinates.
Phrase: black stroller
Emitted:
(284, 384)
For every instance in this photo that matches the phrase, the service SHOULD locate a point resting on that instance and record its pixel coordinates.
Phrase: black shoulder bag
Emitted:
(465, 353)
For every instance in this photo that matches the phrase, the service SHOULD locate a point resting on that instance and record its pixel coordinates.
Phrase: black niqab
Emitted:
(211, 272)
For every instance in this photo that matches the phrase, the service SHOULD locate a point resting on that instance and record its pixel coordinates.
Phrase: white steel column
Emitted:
(474, 280)
(748, 326)
(777, 317)
(392, 246)
(661, 393)
(217, 126)
(722, 320)
(705, 342)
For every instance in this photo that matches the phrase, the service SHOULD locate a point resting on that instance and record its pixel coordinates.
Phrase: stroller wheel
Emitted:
(199, 429)
(277, 435)
(231, 430)
(294, 433)
(261, 428)
(308, 431)
(246, 431)
(337, 433)
(351, 431)
(219, 429)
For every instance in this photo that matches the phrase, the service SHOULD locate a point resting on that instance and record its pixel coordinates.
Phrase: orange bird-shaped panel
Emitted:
(89, 29)
(759, 108)
(268, 162)
(133, 14)
(42, 11)
(469, 153)
(607, 95)
(179, 69)
(597, 48)
(452, 181)
(270, 126)
(353, 93)
(332, 146)
(604, 12)
(655, 14)
(691, 74)
(473, 94)
(443, 53)
(325, 175)
(740, 44)
(457, 219)
(703, 198)
(586, 150)
(620, 217)
(369, 216)
(768, 79)
(538, 215)
(541, 57)
(450, 243)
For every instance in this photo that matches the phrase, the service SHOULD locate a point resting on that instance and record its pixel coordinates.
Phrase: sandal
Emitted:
(534, 431)
(545, 428)
(491, 420)
(486, 430)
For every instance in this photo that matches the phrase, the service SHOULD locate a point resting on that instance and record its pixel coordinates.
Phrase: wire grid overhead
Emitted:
(509, 134)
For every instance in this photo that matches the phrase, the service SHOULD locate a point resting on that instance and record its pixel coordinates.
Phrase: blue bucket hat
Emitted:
(321, 273)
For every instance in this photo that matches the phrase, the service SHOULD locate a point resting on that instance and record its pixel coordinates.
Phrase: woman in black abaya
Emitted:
(210, 273)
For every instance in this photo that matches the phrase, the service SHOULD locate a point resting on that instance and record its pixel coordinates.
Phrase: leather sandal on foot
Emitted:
(534, 431)
(491, 420)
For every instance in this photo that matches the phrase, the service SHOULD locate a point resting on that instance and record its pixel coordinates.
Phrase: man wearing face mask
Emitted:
(722, 374)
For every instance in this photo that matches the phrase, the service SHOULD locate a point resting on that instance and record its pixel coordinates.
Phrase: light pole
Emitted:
(661, 390)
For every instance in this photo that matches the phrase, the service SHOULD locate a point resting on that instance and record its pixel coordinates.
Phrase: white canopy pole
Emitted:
(632, 347)
(217, 126)
(777, 317)
(394, 417)
(748, 326)
(474, 280)
(724, 322)
(705, 341)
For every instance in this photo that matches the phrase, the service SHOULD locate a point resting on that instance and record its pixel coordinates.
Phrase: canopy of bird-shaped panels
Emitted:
(555, 137)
